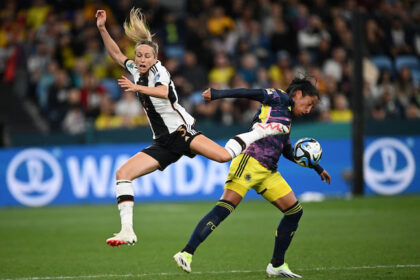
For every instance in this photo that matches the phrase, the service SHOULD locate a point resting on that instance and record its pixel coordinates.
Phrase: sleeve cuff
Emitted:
(318, 168)
(125, 63)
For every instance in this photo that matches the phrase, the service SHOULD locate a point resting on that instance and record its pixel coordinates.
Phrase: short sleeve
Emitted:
(131, 67)
(161, 76)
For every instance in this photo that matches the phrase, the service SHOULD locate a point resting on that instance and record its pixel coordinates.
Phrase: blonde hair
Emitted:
(137, 30)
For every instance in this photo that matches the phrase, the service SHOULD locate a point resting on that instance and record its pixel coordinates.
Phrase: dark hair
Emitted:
(304, 85)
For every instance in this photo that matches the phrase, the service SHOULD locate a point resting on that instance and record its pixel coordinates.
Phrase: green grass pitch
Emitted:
(362, 238)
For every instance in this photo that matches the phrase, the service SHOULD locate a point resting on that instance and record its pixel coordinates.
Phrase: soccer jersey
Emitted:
(165, 115)
(276, 107)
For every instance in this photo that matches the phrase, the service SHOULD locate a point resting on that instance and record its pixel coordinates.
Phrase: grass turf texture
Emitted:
(362, 238)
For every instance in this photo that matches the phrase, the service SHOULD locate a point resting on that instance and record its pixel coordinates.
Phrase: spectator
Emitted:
(341, 111)
(412, 112)
(74, 122)
(310, 37)
(193, 72)
(222, 71)
(249, 68)
(219, 22)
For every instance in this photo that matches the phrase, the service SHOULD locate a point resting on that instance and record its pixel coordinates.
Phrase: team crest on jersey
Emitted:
(248, 177)
(157, 77)
(131, 65)
(270, 90)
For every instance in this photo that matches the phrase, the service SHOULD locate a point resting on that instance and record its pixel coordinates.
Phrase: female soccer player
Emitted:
(256, 168)
(173, 128)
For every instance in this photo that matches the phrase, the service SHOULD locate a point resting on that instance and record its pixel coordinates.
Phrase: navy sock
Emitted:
(285, 232)
(209, 223)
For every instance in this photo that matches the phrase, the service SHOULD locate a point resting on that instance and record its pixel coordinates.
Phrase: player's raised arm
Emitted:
(254, 94)
(110, 45)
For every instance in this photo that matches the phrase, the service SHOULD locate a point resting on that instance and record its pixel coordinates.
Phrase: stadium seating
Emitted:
(410, 61)
(383, 63)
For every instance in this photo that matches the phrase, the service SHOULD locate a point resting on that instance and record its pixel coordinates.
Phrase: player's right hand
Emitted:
(100, 18)
(206, 94)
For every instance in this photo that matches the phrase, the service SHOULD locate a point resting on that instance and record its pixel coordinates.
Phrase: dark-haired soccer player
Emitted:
(256, 168)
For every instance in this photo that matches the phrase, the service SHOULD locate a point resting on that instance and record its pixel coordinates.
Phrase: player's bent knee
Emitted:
(225, 157)
(122, 174)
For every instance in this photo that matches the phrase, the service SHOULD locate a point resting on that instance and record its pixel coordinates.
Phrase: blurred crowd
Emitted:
(53, 54)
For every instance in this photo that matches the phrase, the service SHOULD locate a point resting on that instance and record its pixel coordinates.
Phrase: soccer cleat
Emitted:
(268, 129)
(281, 271)
(183, 260)
(125, 236)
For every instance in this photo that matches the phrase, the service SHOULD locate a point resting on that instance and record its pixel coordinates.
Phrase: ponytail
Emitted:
(137, 30)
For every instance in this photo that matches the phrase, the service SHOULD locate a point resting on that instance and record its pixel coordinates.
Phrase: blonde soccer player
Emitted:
(173, 129)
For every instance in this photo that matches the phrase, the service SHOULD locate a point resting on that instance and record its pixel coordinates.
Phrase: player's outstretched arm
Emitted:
(254, 94)
(110, 45)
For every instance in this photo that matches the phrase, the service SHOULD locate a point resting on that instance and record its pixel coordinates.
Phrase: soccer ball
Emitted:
(307, 152)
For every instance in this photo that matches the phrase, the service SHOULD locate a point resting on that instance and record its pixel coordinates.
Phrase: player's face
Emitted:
(303, 104)
(145, 58)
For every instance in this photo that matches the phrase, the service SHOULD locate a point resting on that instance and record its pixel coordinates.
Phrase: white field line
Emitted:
(206, 272)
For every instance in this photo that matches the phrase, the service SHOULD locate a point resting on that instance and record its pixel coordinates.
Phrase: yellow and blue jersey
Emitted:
(276, 106)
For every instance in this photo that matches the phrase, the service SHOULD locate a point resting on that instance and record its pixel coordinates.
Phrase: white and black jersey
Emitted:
(165, 115)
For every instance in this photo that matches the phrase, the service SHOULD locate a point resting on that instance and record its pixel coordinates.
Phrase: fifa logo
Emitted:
(34, 177)
(389, 166)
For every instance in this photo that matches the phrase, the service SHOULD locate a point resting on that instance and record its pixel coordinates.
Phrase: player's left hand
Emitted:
(127, 85)
(325, 177)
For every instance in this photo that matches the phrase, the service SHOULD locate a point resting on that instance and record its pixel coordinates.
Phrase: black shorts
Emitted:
(168, 149)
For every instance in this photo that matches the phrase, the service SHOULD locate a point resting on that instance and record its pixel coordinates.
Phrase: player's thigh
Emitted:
(231, 196)
(206, 147)
(276, 190)
(138, 165)
(285, 202)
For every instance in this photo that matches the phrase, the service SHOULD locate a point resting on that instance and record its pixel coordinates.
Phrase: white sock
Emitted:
(126, 214)
(236, 145)
(125, 198)
(251, 136)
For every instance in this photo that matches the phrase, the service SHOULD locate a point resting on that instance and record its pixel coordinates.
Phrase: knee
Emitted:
(223, 157)
(122, 174)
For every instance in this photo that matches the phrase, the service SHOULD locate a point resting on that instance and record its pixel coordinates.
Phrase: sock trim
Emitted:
(240, 141)
(125, 198)
(226, 204)
(123, 181)
(293, 209)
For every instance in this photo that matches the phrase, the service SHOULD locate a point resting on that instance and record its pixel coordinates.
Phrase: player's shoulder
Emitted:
(277, 94)
(130, 65)
(158, 68)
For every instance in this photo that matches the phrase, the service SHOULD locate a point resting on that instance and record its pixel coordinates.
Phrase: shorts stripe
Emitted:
(190, 130)
(242, 165)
